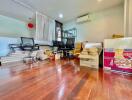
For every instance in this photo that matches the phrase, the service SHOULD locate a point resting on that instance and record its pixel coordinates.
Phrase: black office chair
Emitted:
(70, 45)
(28, 44)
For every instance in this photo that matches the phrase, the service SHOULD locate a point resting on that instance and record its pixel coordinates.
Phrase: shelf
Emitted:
(71, 33)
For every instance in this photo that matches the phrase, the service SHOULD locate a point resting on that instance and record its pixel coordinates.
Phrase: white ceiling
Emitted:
(69, 8)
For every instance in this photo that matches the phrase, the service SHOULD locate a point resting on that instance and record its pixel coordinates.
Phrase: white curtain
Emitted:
(45, 28)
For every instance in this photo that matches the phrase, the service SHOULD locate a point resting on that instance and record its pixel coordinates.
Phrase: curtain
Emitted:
(45, 28)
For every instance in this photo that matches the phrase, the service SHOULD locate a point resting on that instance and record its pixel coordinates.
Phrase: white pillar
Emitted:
(130, 19)
(126, 18)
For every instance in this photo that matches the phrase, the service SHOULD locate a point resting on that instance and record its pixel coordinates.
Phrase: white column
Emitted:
(128, 18)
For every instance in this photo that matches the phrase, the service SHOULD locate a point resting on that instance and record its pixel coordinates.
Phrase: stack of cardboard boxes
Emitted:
(90, 57)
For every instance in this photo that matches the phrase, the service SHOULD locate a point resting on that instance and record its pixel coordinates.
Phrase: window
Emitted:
(58, 32)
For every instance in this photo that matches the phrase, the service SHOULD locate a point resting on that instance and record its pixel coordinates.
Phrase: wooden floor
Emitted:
(62, 80)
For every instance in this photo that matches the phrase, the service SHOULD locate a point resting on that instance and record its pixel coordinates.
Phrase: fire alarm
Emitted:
(30, 25)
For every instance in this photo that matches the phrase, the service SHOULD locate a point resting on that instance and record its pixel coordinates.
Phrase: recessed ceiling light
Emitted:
(60, 15)
(99, 0)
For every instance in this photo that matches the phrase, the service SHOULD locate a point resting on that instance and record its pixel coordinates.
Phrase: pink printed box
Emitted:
(118, 59)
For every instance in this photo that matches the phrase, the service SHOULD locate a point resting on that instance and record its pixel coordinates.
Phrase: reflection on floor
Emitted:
(62, 80)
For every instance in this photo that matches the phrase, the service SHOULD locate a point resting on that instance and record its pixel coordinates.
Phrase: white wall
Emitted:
(11, 27)
(103, 25)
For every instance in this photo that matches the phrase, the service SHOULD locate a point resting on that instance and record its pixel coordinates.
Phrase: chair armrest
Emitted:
(37, 45)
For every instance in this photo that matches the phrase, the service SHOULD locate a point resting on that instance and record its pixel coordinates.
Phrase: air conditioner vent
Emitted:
(84, 18)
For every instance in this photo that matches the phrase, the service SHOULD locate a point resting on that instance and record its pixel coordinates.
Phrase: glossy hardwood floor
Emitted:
(62, 80)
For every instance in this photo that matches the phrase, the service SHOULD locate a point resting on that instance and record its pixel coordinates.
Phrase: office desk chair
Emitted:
(70, 43)
(28, 44)
(70, 46)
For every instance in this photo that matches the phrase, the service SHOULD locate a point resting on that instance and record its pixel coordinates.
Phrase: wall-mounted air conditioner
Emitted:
(84, 18)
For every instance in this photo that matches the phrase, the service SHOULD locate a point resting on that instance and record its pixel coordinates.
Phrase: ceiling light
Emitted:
(60, 15)
(99, 0)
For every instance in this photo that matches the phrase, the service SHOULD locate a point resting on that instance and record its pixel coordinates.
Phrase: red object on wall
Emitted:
(30, 25)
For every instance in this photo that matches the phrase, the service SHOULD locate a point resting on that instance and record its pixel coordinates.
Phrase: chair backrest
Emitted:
(61, 44)
(27, 41)
(55, 43)
(70, 42)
